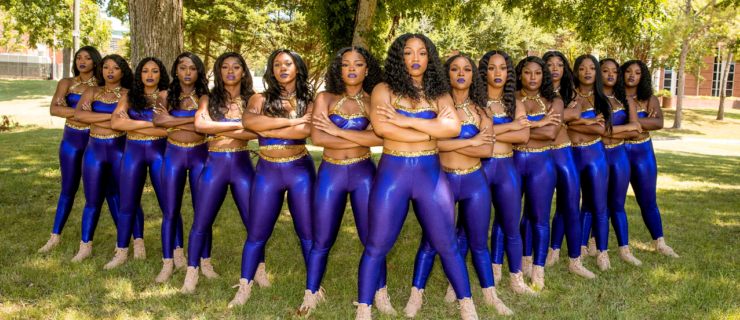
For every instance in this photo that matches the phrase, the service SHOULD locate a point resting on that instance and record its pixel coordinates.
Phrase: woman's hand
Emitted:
(572, 104)
(86, 106)
(482, 138)
(306, 118)
(389, 114)
(549, 119)
(62, 102)
(653, 113)
(160, 109)
(521, 123)
(635, 126)
(323, 123)
(123, 114)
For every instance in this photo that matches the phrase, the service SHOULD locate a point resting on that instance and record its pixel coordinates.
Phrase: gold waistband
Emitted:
(560, 146)
(525, 149)
(637, 141)
(283, 147)
(71, 126)
(609, 146)
(144, 138)
(344, 162)
(411, 154)
(108, 136)
(237, 149)
(586, 144)
(285, 159)
(502, 155)
(460, 172)
(186, 144)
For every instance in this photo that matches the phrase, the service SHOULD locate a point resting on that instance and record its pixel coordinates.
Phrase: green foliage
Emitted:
(9, 40)
(662, 93)
(334, 20)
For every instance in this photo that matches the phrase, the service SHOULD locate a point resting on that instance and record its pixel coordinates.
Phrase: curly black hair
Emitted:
(399, 79)
(567, 90)
(619, 92)
(602, 105)
(477, 90)
(547, 89)
(304, 92)
(201, 84)
(334, 82)
(218, 96)
(94, 55)
(509, 98)
(136, 96)
(645, 87)
(127, 77)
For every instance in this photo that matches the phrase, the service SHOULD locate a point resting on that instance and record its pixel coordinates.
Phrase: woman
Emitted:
(342, 127)
(589, 153)
(533, 159)
(510, 125)
(567, 219)
(102, 158)
(184, 157)
(144, 150)
(74, 140)
(229, 164)
(624, 126)
(460, 158)
(644, 170)
(281, 116)
(410, 111)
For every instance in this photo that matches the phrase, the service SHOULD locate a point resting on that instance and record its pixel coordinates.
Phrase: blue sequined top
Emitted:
(428, 112)
(468, 127)
(356, 121)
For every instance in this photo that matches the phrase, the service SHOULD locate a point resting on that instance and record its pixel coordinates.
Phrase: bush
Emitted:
(663, 94)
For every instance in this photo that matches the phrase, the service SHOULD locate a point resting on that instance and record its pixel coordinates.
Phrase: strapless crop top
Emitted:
(356, 121)
(468, 127)
(428, 112)
(73, 98)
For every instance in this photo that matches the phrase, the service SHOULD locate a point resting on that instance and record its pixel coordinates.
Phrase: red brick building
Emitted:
(668, 79)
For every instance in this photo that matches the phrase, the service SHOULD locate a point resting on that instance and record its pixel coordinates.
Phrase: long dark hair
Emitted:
(136, 96)
(399, 79)
(273, 105)
(477, 91)
(547, 89)
(127, 77)
(509, 98)
(567, 90)
(645, 86)
(334, 81)
(94, 55)
(201, 85)
(602, 105)
(218, 96)
(619, 92)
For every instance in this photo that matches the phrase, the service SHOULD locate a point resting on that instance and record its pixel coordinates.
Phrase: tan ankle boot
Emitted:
(321, 294)
(415, 302)
(553, 255)
(575, 266)
(53, 242)
(207, 269)
(603, 260)
(626, 255)
(592, 251)
(489, 294)
(518, 285)
(167, 268)
(261, 276)
(450, 296)
(139, 249)
(179, 258)
(119, 259)
(527, 266)
(363, 311)
(538, 277)
(663, 248)
(84, 253)
(383, 301)
(310, 301)
(245, 290)
(467, 309)
(191, 280)
(496, 274)
(584, 251)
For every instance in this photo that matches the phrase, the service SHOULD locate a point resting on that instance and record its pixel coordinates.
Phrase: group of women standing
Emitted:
(473, 135)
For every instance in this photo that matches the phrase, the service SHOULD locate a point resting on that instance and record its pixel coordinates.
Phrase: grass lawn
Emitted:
(26, 89)
(699, 197)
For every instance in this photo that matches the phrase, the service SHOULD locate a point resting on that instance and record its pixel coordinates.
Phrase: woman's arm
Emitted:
(324, 133)
(380, 96)
(572, 112)
(59, 107)
(480, 146)
(655, 119)
(164, 119)
(122, 122)
(241, 134)
(547, 127)
(204, 124)
(84, 113)
(254, 120)
(445, 125)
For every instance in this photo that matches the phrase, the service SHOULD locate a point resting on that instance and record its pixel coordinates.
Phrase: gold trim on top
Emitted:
(71, 126)
(588, 143)
(470, 119)
(461, 172)
(228, 116)
(106, 90)
(610, 146)
(344, 162)
(284, 159)
(587, 96)
(358, 98)
(499, 115)
(527, 149)
(108, 136)
(90, 83)
(637, 141)
(190, 95)
(534, 114)
(144, 138)
(236, 149)
(560, 146)
(502, 155)
(535, 98)
(397, 106)
(186, 144)
(587, 110)
(283, 147)
(411, 154)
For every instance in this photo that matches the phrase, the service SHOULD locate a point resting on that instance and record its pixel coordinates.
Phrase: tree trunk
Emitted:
(681, 81)
(156, 30)
(364, 22)
(723, 85)
(67, 57)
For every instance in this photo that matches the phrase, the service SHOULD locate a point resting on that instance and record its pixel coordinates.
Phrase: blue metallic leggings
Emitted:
(594, 171)
(619, 181)
(644, 178)
(221, 171)
(271, 182)
(333, 183)
(181, 163)
(71, 151)
(421, 180)
(538, 177)
(506, 190)
(101, 166)
(568, 197)
(137, 156)
(472, 193)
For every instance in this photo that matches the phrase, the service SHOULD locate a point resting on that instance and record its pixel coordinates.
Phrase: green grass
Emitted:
(698, 194)
(26, 89)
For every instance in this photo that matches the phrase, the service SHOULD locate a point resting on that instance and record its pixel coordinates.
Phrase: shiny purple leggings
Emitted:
(537, 173)
(644, 179)
(594, 171)
(567, 219)
(505, 188)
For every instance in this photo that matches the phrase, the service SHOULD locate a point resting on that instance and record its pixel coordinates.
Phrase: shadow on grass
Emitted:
(26, 89)
(713, 113)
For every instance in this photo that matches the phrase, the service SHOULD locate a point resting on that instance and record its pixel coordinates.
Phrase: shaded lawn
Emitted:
(26, 89)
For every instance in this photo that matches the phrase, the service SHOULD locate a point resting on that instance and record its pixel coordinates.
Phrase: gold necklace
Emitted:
(90, 83)
(535, 98)
(587, 96)
(464, 104)
(292, 104)
(191, 95)
(495, 100)
(238, 101)
(114, 91)
(152, 96)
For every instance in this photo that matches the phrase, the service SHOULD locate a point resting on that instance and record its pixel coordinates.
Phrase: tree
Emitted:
(156, 30)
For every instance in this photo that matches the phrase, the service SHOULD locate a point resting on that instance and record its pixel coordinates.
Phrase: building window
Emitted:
(717, 78)
(669, 82)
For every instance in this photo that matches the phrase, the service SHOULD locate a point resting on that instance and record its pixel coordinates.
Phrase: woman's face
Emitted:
(632, 75)
(609, 72)
(557, 67)
(354, 68)
(461, 73)
(497, 71)
(531, 76)
(187, 72)
(587, 72)
(415, 56)
(232, 71)
(111, 71)
(284, 68)
(84, 62)
(150, 74)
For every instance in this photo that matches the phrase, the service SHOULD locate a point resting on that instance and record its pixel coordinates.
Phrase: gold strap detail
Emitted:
(358, 99)
(502, 155)
(411, 154)
(106, 90)
(397, 106)
(610, 146)
(526, 149)
(586, 144)
(186, 144)
(192, 97)
(144, 138)
(621, 106)
(90, 83)
(108, 136)
(560, 146)
(292, 104)
(470, 119)
(71, 126)
(535, 98)
(461, 172)
(237, 149)
(344, 162)
(587, 96)
(284, 159)
(283, 147)
(492, 100)
(637, 141)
